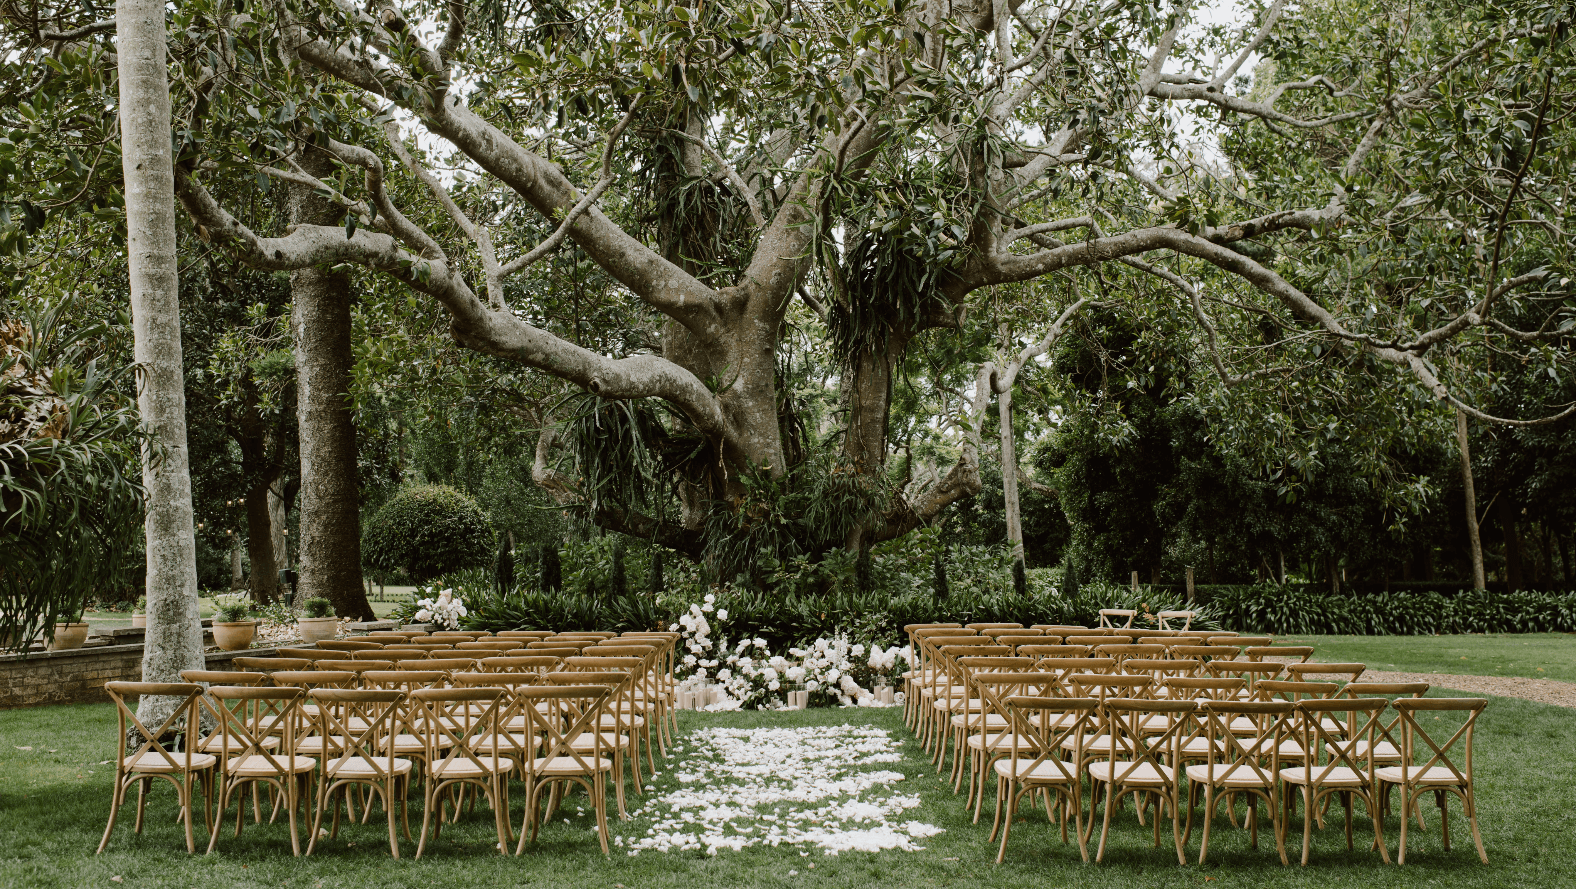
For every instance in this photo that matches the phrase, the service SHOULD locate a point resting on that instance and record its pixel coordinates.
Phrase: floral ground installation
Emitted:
(819, 787)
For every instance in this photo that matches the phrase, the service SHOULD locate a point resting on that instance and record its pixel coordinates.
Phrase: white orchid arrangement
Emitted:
(444, 609)
(828, 666)
(887, 663)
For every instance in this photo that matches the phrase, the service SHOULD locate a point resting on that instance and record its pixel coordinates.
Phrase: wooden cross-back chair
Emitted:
(1110, 616)
(1259, 652)
(1053, 651)
(1039, 728)
(936, 678)
(1235, 764)
(920, 679)
(1139, 759)
(974, 714)
(951, 691)
(1103, 687)
(607, 733)
(152, 759)
(562, 715)
(986, 726)
(1168, 619)
(357, 728)
(1331, 765)
(248, 717)
(348, 645)
(1442, 771)
(461, 727)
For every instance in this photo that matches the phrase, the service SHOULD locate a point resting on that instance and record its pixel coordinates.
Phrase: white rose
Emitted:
(759, 642)
(820, 645)
(724, 674)
(706, 607)
(773, 685)
(832, 674)
(710, 598)
(424, 615)
(770, 674)
(857, 650)
(794, 674)
(689, 660)
(812, 685)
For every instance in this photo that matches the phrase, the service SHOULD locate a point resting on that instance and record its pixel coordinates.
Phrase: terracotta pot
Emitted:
(139, 621)
(314, 629)
(235, 636)
(69, 637)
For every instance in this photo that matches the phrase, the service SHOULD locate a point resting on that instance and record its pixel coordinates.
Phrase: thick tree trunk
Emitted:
(174, 637)
(330, 544)
(263, 583)
(1009, 476)
(1474, 539)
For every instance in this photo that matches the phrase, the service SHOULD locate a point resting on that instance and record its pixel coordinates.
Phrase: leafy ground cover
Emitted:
(54, 800)
(1527, 655)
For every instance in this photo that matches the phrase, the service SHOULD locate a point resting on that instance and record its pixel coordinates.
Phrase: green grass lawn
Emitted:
(1529, 655)
(54, 801)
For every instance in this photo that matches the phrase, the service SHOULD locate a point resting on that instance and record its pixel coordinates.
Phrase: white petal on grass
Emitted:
(804, 787)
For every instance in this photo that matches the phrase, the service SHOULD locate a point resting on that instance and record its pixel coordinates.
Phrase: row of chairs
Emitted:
(1130, 729)
(575, 719)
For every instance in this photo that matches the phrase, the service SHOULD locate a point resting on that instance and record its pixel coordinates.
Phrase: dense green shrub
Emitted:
(427, 531)
(1293, 611)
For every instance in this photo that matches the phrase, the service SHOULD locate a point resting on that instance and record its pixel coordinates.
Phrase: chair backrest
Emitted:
(384, 654)
(1260, 652)
(224, 677)
(348, 645)
(308, 679)
(270, 664)
(356, 666)
(1439, 754)
(1109, 685)
(181, 722)
(991, 691)
(386, 636)
(1094, 639)
(1110, 616)
(1123, 651)
(1061, 629)
(1063, 668)
(495, 645)
(403, 680)
(1168, 619)
(562, 713)
(1039, 726)
(1291, 690)
(1343, 746)
(419, 646)
(460, 725)
(249, 716)
(357, 728)
(524, 634)
(1253, 671)
(1045, 651)
(1244, 641)
(459, 635)
(310, 654)
(1203, 652)
(1160, 669)
(1205, 688)
(1135, 742)
(539, 664)
(558, 644)
(446, 664)
(1348, 672)
(998, 626)
(1231, 754)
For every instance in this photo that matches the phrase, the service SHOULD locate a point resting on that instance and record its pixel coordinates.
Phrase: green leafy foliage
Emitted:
(317, 607)
(1295, 610)
(427, 531)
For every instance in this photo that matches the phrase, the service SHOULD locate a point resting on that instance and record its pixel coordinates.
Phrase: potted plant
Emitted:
(317, 620)
(233, 626)
(70, 634)
(139, 613)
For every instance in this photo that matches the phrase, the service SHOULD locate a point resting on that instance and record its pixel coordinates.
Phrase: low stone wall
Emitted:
(69, 677)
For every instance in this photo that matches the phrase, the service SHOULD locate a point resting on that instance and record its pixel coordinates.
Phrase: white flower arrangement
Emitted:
(444, 609)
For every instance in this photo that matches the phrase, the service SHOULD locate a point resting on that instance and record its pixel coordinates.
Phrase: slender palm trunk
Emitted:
(174, 637)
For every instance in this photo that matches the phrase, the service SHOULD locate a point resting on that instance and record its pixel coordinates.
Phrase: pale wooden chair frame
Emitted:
(458, 723)
(359, 727)
(1186, 617)
(153, 760)
(1107, 615)
(1130, 723)
(1229, 756)
(1039, 739)
(570, 711)
(1341, 772)
(1439, 772)
(265, 712)
(978, 716)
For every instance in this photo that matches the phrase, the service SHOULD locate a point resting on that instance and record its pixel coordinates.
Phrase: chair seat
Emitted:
(621, 720)
(510, 741)
(1145, 775)
(1218, 776)
(408, 744)
(154, 764)
(1056, 720)
(357, 766)
(1091, 744)
(568, 765)
(1383, 751)
(991, 721)
(1438, 776)
(463, 767)
(232, 744)
(1288, 749)
(584, 742)
(258, 766)
(1028, 771)
(997, 742)
(1340, 776)
(1194, 747)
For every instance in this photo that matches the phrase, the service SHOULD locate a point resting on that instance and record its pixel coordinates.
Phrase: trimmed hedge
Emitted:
(1292, 610)
(427, 531)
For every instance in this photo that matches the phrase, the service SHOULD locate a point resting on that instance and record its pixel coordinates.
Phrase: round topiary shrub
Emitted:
(427, 531)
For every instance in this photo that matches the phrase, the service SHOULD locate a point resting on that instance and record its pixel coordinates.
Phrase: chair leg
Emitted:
(115, 799)
(388, 808)
(1307, 821)
(1444, 819)
(1003, 786)
(1006, 827)
(142, 802)
(1470, 805)
(1105, 827)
